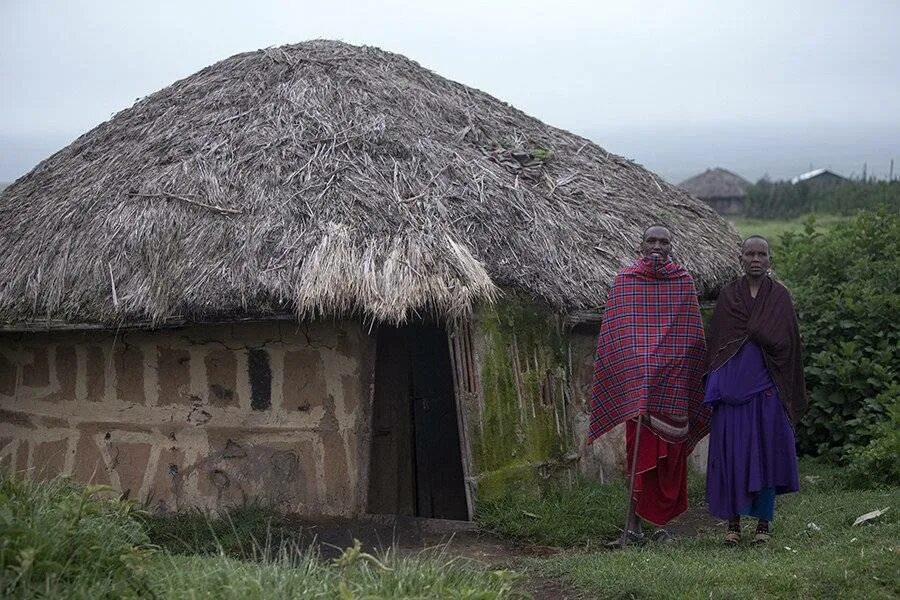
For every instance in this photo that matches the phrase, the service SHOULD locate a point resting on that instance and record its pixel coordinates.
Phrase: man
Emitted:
(756, 387)
(648, 374)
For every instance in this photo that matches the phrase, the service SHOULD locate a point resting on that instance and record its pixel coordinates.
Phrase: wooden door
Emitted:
(416, 466)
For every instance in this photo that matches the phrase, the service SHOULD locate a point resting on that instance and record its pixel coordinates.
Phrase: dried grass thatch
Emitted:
(323, 178)
(716, 183)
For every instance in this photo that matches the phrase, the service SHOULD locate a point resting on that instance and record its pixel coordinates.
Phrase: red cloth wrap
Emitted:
(650, 352)
(660, 481)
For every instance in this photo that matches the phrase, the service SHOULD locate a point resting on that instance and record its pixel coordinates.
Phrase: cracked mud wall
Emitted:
(604, 460)
(208, 416)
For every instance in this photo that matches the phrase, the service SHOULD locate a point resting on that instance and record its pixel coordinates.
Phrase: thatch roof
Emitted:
(716, 183)
(324, 178)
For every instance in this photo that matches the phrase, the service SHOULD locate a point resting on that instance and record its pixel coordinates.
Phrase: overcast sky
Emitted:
(757, 86)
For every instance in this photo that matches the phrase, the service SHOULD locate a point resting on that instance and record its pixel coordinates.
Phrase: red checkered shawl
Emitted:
(650, 353)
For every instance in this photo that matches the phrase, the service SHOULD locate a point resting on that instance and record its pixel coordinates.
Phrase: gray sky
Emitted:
(756, 86)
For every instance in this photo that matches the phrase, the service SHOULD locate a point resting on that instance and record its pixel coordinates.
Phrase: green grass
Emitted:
(773, 229)
(59, 540)
(302, 575)
(828, 560)
(238, 533)
(585, 515)
(57, 536)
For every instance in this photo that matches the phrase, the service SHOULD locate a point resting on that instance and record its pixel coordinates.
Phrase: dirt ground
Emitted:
(410, 535)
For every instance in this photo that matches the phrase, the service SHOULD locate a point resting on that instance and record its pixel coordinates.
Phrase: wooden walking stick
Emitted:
(634, 455)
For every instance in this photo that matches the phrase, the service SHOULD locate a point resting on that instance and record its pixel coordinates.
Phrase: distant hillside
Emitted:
(4, 184)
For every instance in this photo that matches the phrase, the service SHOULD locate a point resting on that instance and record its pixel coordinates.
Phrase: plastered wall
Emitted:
(208, 416)
(604, 460)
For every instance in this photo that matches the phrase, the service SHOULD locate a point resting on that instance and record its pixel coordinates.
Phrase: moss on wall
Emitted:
(524, 420)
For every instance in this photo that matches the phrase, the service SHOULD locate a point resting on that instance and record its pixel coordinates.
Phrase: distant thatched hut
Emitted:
(322, 276)
(723, 190)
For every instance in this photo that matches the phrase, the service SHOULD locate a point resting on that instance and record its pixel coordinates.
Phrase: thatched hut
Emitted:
(320, 276)
(724, 191)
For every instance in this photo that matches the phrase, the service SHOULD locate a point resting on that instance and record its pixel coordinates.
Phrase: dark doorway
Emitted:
(416, 465)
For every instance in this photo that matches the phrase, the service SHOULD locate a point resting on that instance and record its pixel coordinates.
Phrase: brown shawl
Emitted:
(770, 321)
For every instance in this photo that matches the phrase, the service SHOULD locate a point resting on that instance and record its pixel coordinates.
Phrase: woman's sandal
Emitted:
(732, 538)
(761, 538)
(762, 533)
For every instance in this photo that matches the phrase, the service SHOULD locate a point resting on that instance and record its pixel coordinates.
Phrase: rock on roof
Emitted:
(323, 178)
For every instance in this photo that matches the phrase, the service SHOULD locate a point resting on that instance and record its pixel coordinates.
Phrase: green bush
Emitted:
(878, 462)
(846, 286)
(56, 536)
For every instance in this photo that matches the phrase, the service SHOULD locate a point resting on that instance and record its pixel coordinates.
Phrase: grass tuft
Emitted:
(295, 574)
(55, 535)
(239, 533)
(586, 514)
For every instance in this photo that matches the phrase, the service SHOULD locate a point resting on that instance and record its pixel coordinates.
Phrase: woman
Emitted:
(756, 388)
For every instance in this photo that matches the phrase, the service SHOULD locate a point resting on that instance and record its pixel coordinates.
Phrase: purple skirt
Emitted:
(752, 451)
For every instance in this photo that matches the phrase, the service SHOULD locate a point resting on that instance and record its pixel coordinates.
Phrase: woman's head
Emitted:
(755, 258)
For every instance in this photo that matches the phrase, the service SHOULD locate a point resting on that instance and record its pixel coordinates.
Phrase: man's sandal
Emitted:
(732, 538)
(661, 536)
(627, 539)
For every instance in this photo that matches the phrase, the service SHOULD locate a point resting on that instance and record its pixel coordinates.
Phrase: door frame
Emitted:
(467, 393)
(466, 379)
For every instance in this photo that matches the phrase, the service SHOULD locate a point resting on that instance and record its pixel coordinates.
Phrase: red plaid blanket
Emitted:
(650, 352)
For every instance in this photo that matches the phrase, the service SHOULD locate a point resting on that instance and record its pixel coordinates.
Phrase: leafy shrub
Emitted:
(57, 536)
(846, 287)
(878, 462)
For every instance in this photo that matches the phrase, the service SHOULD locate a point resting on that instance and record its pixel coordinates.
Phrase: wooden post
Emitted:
(465, 389)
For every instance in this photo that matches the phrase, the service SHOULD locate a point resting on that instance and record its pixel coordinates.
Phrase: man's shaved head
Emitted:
(660, 226)
(657, 242)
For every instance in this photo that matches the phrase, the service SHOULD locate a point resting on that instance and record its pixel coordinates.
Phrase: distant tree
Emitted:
(782, 199)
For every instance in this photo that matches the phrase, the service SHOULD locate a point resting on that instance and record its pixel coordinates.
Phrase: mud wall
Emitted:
(208, 416)
(604, 460)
